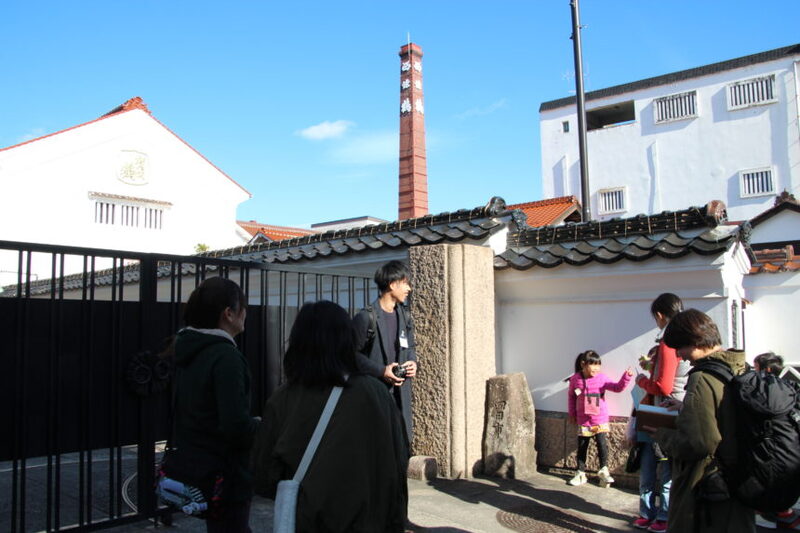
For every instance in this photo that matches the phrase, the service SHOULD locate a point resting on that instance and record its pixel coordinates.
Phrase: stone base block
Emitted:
(422, 467)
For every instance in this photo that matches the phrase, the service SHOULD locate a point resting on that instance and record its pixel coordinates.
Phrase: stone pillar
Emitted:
(453, 310)
(509, 446)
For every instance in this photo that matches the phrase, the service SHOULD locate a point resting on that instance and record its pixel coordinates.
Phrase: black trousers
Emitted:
(583, 450)
(235, 519)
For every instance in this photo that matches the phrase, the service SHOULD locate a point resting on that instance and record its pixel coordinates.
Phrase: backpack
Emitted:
(765, 476)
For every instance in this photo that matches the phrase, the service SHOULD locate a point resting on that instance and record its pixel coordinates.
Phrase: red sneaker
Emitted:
(641, 523)
(658, 526)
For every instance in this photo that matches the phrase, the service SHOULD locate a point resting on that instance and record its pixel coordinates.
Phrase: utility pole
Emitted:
(582, 151)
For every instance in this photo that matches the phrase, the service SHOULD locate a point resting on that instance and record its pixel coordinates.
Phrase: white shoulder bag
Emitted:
(286, 495)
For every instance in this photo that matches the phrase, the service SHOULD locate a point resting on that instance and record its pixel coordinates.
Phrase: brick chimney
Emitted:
(413, 200)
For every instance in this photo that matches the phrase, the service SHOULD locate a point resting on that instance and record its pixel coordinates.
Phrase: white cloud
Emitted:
(373, 149)
(480, 111)
(33, 134)
(326, 130)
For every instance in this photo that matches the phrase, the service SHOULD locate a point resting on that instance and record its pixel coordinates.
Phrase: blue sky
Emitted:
(299, 101)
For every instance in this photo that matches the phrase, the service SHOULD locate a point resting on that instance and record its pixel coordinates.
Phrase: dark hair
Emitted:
(389, 273)
(692, 328)
(589, 357)
(208, 301)
(322, 346)
(667, 304)
(769, 362)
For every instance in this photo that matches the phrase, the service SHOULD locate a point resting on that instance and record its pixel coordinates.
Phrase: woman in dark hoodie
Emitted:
(213, 425)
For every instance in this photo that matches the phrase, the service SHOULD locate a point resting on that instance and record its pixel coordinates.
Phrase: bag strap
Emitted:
(316, 437)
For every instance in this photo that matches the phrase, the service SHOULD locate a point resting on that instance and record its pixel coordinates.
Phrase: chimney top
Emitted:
(414, 49)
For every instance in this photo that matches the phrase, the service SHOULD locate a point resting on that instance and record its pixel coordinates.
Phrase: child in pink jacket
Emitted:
(587, 408)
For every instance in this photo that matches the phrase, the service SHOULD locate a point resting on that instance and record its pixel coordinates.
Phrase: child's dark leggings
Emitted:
(583, 449)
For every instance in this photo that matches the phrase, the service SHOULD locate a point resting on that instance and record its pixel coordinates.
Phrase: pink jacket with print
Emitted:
(594, 389)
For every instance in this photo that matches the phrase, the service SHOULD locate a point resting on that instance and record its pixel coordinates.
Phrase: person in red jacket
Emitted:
(667, 379)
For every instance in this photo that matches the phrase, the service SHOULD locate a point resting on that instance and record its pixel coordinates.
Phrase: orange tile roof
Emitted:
(780, 260)
(549, 211)
(134, 103)
(275, 233)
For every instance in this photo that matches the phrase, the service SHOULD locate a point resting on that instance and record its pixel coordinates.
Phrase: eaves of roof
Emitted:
(131, 105)
(671, 235)
(465, 224)
(674, 77)
(275, 233)
(783, 202)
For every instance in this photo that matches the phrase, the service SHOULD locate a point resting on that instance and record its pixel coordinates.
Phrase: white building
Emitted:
(122, 181)
(726, 131)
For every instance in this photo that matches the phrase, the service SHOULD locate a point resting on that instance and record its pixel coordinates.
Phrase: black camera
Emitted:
(399, 371)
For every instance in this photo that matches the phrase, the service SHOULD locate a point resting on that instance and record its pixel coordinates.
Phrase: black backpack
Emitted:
(766, 476)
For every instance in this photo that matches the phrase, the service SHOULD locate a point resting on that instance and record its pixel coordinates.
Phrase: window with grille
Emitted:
(129, 212)
(754, 91)
(756, 182)
(675, 107)
(611, 201)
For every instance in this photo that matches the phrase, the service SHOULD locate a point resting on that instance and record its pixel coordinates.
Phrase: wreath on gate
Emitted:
(148, 373)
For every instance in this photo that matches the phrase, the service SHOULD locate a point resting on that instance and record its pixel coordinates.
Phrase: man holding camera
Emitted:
(385, 338)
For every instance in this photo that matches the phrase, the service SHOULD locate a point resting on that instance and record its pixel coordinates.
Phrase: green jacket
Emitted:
(706, 427)
(212, 406)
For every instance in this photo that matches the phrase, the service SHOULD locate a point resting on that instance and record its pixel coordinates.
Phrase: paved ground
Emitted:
(540, 503)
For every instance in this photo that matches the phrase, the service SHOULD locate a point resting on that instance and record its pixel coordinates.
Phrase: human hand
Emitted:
(629, 371)
(411, 368)
(672, 404)
(390, 378)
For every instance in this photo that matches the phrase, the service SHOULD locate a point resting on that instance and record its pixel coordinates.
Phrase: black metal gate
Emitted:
(81, 424)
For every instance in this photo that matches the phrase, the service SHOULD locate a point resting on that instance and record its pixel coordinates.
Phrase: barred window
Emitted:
(754, 91)
(612, 201)
(127, 211)
(756, 182)
(675, 107)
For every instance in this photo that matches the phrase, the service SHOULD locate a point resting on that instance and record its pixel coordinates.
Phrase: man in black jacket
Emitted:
(385, 337)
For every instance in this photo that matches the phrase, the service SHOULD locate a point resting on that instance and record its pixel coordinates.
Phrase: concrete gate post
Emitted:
(453, 310)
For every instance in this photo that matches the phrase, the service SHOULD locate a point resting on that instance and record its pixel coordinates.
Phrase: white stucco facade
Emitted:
(121, 182)
(673, 163)
(545, 317)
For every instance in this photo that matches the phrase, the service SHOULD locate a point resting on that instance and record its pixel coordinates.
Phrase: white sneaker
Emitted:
(765, 523)
(605, 477)
(579, 479)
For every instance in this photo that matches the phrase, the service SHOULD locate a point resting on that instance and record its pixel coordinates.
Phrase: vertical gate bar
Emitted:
(148, 292)
(266, 336)
(82, 380)
(282, 318)
(51, 385)
(351, 293)
(263, 351)
(16, 421)
(335, 288)
(318, 286)
(24, 357)
(60, 354)
(300, 290)
(87, 405)
(112, 379)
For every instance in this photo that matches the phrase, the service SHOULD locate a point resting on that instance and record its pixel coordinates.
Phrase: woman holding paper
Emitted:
(668, 375)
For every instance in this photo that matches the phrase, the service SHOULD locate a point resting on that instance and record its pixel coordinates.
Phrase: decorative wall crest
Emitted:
(132, 167)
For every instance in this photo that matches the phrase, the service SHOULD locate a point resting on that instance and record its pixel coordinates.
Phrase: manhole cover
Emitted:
(535, 518)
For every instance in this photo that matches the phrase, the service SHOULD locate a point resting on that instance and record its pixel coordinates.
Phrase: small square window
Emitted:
(756, 182)
(611, 201)
(565, 126)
